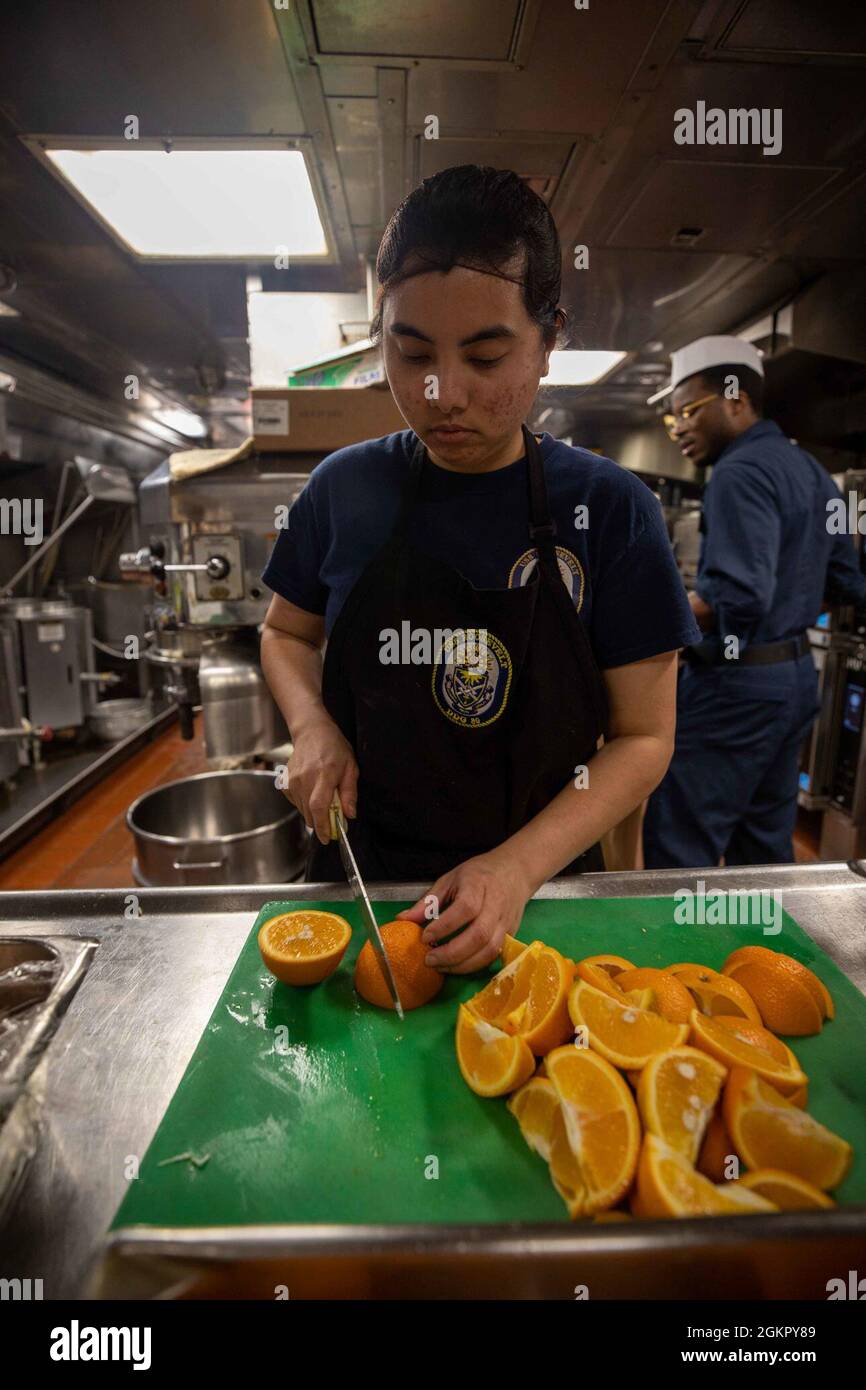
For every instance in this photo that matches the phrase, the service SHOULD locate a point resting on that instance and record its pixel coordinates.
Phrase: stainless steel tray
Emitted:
(135, 1023)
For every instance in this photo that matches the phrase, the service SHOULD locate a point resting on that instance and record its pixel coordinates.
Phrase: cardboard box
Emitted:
(319, 418)
(361, 364)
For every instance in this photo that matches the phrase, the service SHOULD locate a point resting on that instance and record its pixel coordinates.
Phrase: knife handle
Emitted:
(336, 817)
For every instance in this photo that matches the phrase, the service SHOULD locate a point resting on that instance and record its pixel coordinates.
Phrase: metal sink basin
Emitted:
(39, 976)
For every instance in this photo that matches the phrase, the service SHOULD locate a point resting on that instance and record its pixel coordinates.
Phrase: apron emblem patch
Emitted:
(472, 678)
(570, 569)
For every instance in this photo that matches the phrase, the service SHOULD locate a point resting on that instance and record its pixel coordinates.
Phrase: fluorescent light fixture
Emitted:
(580, 368)
(197, 204)
(184, 421)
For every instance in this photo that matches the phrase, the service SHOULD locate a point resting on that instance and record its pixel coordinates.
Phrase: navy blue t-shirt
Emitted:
(616, 561)
(769, 562)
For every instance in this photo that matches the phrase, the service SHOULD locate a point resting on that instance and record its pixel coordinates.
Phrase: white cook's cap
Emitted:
(721, 350)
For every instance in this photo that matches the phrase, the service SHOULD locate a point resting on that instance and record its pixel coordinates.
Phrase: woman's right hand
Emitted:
(322, 763)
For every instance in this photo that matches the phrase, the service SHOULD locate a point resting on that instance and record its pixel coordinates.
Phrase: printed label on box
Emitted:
(270, 416)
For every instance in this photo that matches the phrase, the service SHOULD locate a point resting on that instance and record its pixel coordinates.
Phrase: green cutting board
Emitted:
(312, 1106)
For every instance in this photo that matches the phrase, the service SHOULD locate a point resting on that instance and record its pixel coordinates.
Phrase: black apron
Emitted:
(455, 756)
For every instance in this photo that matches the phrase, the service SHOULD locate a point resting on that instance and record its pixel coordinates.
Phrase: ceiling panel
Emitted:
(833, 28)
(689, 195)
(532, 158)
(354, 123)
(840, 229)
(191, 68)
(573, 77)
(483, 29)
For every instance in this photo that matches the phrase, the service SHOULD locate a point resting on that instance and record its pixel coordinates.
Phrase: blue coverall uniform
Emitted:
(769, 565)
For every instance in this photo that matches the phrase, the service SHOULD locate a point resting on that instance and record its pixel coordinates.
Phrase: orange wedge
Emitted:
(626, 1036)
(716, 1150)
(599, 978)
(785, 1190)
(667, 1185)
(680, 966)
(791, 998)
(596, 1131)
(304, 947)
(769, 1132)
(542, 1018)
(676, 1095)
(737, 1043)
(511, 948)
(534, 1107)
(492, 1062)
(743, 1198)
(715, 994)
(508, 989)
(671, 998)
(612, 965)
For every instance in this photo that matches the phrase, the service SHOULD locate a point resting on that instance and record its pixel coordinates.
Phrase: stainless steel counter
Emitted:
(121, 1050)
(41, 793)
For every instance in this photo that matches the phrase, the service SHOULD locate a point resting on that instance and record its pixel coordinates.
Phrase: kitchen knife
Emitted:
(359, 892)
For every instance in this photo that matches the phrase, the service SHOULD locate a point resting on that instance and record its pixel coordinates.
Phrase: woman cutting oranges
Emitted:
(502, 611)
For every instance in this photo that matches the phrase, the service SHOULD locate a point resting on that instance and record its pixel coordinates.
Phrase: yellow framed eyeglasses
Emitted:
(688, 410)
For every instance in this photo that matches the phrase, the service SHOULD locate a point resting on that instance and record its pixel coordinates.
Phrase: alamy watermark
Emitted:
(729, 907)
(20, 1290)
(22, 516)
(737, 126)
(421, 646)
(846, 516)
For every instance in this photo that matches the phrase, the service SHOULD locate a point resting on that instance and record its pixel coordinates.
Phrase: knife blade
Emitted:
(359, 893)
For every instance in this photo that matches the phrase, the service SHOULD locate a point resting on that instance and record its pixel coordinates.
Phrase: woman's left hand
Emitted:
(486, 897)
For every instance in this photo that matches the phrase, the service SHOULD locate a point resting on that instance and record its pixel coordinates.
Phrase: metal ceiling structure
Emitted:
(682, 240)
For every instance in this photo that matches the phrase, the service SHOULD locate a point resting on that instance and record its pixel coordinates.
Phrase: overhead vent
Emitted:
(687, 236)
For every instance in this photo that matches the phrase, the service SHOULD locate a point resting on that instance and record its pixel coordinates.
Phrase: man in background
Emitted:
(769, 565)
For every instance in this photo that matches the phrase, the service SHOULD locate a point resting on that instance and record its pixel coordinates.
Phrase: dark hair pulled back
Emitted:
(482, 218)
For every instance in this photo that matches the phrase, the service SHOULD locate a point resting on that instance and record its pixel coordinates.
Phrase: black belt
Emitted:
(764, 654)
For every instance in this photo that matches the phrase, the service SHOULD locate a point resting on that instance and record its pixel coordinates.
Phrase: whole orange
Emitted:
(416, 982)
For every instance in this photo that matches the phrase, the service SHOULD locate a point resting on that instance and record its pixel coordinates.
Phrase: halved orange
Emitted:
(542, 1018)
(769, 1132)
(492, 1062)
(534, 1107)
(676, 1096)
(626, 1036)
(786, 1190)
(668, 1185)
(303, 947)
(508, 989)
(596, 1131)
(736, 1043)
(671, 998)
(791, 998)
(715, 994)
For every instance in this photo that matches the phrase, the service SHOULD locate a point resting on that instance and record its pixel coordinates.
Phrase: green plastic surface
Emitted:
(345, 1115)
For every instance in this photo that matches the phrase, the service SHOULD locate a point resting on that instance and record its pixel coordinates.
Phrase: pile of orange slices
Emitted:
(657, 1092)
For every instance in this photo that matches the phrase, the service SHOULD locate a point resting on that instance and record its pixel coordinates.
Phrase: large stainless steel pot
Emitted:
(110, 720)
(219, 827)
